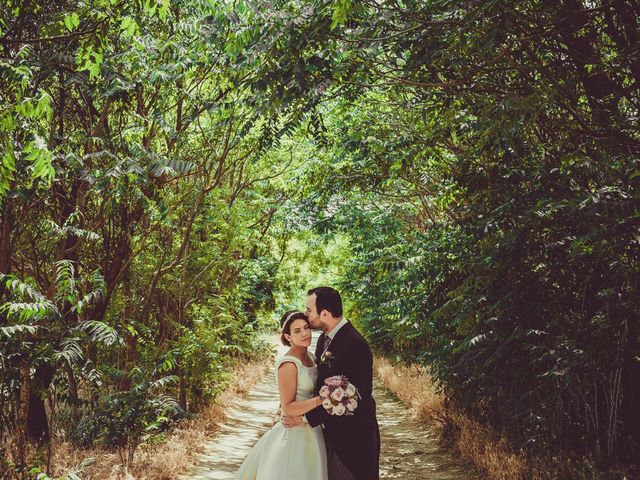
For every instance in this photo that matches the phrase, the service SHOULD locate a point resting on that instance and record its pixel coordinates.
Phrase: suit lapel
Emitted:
(320, 346)
(340, 337)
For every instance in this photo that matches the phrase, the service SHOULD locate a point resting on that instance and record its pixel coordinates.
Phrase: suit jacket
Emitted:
(355, 438)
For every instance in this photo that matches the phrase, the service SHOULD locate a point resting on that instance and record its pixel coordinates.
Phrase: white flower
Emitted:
(327, 403)
(326, 357)
(339, 409)
(325, 392)
(350, 390)
(337, 394)
(352, 404)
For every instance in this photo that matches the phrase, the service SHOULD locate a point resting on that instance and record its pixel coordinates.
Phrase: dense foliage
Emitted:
(136, 220)
(171, 170)
(484, 159)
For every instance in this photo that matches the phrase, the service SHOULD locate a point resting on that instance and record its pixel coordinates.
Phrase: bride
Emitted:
(298, 452)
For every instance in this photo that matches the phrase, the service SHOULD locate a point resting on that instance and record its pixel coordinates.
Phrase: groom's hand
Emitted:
(289, 422)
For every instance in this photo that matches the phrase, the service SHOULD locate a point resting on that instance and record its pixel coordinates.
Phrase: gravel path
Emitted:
(410, 451)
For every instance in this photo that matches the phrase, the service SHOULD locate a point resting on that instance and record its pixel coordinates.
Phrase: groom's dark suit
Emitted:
(354, 438)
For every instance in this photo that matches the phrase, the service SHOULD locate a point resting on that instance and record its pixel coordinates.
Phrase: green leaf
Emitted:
(129, 26)
(70, 351)
(71, 21)
(100, 332)
(341, 10)
(164, 9)
(14, 329)
(38, 153)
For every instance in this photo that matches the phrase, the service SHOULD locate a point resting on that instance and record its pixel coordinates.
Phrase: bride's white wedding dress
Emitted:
(289, 453)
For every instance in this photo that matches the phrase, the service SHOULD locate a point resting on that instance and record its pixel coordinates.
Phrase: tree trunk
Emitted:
(22, 415)
(183, 392)
(131, 340)
(630, 413)
(37, 422)
(6, 226)
(583, 51)
(73, 390)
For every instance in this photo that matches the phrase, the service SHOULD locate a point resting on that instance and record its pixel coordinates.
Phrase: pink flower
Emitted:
(325, 392)
(335, 381)
(337, 394)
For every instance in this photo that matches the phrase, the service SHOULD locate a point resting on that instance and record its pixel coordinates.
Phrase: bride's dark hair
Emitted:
(285, 324)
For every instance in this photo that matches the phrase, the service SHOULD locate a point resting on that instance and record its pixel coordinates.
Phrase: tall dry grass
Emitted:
(477, 444)
(413, 386)
(171, 457)
(487, 451)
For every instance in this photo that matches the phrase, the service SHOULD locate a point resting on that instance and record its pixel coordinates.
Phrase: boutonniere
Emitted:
(325, 358)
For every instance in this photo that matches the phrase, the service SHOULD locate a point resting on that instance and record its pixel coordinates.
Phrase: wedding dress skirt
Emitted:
(289, 453)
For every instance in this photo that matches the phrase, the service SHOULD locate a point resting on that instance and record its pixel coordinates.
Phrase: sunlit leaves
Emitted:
(71, 21)
(90, 59)
(23, 289)
(129, 25)
(23, 110)
(37, 153)
(341, 9)
(94, 296)
(24, 311)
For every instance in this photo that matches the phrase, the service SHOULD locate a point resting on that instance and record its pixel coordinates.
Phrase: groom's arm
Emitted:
(358, 368)
(317, 416)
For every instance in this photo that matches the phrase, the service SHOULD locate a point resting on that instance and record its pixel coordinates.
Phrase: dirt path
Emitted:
(410, 451)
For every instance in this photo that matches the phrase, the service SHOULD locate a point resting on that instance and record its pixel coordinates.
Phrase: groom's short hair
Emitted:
(328, 299)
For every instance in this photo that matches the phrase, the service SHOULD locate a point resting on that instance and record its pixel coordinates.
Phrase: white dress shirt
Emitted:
(334, 330)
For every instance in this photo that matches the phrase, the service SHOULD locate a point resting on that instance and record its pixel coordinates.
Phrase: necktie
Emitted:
(327, 341)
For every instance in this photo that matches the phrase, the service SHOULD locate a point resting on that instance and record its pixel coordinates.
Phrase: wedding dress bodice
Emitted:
(307, 376)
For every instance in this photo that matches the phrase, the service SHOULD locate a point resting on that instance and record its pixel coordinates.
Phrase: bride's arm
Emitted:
(287, 386)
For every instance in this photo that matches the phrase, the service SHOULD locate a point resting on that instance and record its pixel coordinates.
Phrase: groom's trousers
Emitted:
(335, 467)
(338, 471)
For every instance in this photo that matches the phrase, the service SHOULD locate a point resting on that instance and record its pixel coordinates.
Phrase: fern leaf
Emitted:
(164, 381)
(100, 332)
(28, 311)
(71, 351)
(65, 280)
(16, 329)
(81, 233)
(16, 286)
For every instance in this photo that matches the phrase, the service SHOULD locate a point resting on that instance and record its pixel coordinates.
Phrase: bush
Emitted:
(125, 419)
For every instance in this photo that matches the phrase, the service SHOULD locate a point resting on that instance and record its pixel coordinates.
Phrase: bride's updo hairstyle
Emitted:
(285, 324)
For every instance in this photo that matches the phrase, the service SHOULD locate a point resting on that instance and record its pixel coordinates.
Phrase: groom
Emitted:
(353, 441)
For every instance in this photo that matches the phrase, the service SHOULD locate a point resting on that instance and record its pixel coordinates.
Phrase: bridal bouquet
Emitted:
(339, 397)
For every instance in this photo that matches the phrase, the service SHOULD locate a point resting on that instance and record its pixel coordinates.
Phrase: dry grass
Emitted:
(482, 447)
(413, 386)
(477, 444)
(173, 456)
